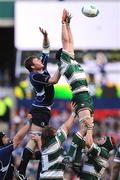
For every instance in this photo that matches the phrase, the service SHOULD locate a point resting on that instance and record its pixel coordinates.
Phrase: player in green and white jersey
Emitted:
(96, 155)
(52, 150)
(115, 175)
(73, 71)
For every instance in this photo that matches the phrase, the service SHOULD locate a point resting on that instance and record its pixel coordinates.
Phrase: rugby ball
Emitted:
(90, 11)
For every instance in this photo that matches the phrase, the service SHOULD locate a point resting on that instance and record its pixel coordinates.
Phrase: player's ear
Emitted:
(33, 67)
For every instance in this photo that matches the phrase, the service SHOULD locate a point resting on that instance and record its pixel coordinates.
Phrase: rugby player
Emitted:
(41, 106)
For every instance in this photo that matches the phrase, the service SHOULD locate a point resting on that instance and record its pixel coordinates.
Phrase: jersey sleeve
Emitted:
(45, 55)
(100, 154)
(61, 135)
(41, 78)
(94, 150)
(117, 155)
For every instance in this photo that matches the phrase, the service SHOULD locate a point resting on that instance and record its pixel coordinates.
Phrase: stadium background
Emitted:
(97, 48)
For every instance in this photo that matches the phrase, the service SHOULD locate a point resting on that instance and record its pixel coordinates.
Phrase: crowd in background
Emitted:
(108, 125)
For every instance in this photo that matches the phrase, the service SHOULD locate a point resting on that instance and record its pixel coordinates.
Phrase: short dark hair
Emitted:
(58, 54)
(29, 62)
(47, 133)
(2, 134)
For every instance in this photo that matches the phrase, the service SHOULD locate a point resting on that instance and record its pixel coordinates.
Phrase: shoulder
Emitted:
(61, 135)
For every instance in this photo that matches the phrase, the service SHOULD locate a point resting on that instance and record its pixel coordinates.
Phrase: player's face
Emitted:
(37, 64)
(5, 140)
(101, 141)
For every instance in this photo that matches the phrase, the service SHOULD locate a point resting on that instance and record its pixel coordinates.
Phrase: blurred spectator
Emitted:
(101, 61)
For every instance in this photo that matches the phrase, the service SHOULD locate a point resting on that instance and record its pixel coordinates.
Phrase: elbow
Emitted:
(65, 41)
(89, 144)
(55, 82)
(52, 81)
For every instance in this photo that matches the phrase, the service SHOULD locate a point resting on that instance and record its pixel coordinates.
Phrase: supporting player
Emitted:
(97, 153)
(52, 150)
(73, 71)
(41, 106)
(6, 148)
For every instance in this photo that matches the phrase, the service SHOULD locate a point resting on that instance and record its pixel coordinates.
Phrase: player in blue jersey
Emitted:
(6, 148)
(41, 106)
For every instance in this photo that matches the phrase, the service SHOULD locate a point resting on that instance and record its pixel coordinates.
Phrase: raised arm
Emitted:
(46, 47)
(55, 78)
(46, 42)
(64, 33)
(22, 132)
(68, 124)
(70, 35)
(89, 135)
(67, 37)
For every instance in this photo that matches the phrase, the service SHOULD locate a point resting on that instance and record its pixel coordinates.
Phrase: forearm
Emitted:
(70, 34)
(68, 124)
(46, 42)
(82, 130)
(65, 37)
(55, 78)
(71, 45)
(89, 138)
(23, 131)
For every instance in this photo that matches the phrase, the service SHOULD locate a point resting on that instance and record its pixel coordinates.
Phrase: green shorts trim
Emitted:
(83, 100)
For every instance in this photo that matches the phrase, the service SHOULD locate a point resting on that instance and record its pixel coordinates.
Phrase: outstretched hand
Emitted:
(44, 32)
(66, 16)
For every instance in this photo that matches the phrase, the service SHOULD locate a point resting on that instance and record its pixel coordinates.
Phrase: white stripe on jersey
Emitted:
(52, 174)
(52, 148)
(64, 66)
(103, 162)
(81, 89)
(90, 170)
(40, 93)
(47, 164)
(77, 76)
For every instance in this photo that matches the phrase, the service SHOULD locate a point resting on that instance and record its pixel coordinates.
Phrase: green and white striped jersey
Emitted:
(117, 155)
(52, 156)
(73, 72)
(95, 166)
(93, 162)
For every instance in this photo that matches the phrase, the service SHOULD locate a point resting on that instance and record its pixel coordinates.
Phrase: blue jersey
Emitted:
(5, 159)
(44, 90)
